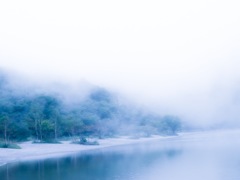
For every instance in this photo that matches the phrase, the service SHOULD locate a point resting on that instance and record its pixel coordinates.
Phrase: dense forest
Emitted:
(44, 116)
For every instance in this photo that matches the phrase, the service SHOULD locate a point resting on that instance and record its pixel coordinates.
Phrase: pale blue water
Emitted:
(197, 156)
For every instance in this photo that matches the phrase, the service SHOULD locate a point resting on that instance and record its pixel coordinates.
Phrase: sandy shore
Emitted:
(32, 151)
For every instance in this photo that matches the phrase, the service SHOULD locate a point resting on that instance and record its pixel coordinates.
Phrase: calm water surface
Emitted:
(198, 156)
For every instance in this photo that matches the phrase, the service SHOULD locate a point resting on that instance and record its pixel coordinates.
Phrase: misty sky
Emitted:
(174, 56)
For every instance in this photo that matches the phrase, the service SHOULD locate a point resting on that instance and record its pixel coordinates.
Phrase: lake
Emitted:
(192, 156)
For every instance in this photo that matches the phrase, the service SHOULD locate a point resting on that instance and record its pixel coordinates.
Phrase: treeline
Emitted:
(45, 117)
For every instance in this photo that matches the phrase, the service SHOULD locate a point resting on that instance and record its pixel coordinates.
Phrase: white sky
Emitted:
(180, 55)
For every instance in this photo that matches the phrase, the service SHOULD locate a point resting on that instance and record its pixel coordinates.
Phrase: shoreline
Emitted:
(30, 151)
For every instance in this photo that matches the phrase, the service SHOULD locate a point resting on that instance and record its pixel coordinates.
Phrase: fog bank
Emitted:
(171, 57)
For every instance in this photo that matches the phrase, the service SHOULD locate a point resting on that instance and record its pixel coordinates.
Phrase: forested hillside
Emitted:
(46, 117)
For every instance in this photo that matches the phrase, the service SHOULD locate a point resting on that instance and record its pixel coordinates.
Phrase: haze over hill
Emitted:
(174, 57)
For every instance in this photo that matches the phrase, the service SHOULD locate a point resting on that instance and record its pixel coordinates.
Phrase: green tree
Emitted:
(169, 125)
(47, 130)
(4, 124)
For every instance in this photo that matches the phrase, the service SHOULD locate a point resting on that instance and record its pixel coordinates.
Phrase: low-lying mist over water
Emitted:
(209, 156)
